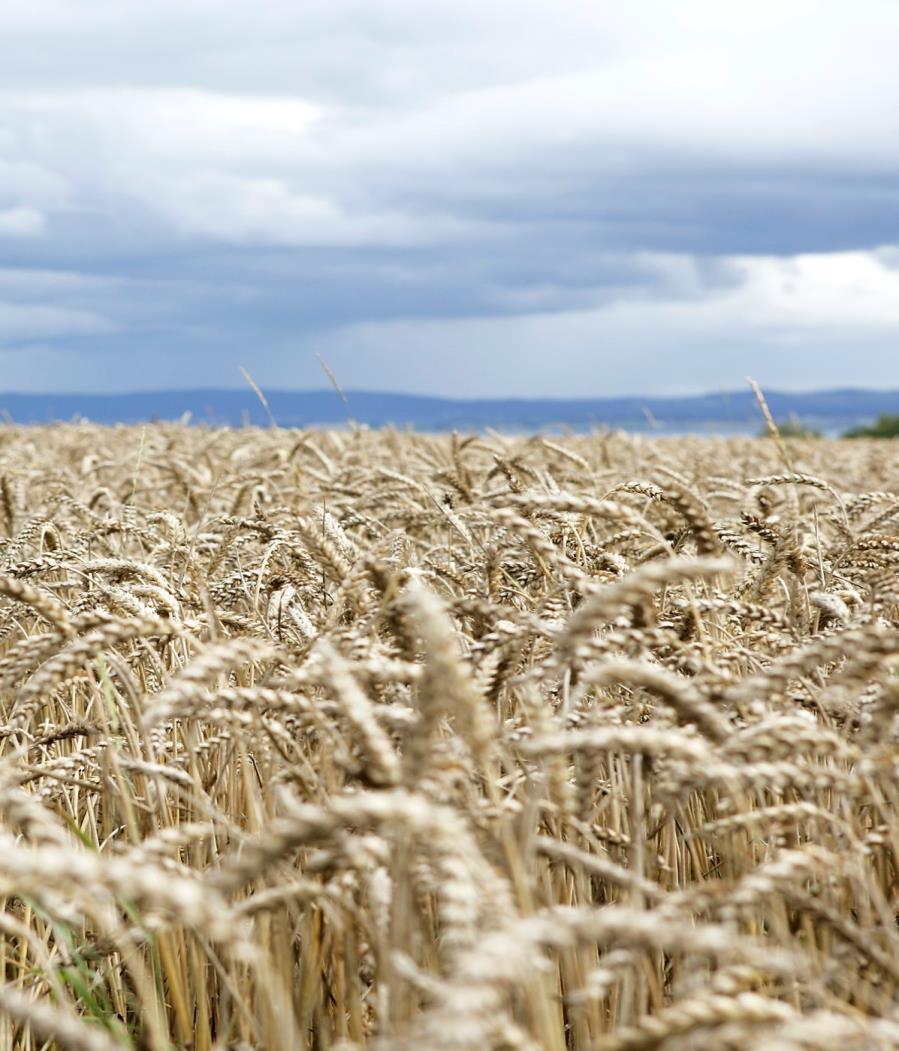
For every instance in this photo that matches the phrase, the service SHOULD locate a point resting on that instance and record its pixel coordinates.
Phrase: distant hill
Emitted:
(830, 411)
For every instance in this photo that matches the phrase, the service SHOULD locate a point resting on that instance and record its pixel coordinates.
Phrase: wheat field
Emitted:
(380, 740)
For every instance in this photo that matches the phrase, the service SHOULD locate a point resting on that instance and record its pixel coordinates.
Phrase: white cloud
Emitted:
(176, 124)
(248, 209)
(824, 293)
(429, 102)
(20, 322)
(22, 222)
(33, 282)
(22, 179)
(243, 169)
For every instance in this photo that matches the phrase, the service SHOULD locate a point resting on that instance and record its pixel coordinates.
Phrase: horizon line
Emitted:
(464, 399)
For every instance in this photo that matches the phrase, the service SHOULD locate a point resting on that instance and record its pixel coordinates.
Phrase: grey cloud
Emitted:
(410, 187)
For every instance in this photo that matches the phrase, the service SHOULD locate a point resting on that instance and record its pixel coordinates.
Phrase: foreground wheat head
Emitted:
(376, 740)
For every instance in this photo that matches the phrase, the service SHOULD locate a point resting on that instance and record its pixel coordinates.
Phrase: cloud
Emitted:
(437, 125)
(520, 186)
(826, 294)
(795, 322)
(19, 322)
(22, 222)
(238, 169)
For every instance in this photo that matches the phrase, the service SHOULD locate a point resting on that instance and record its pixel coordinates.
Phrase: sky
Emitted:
(456, 197)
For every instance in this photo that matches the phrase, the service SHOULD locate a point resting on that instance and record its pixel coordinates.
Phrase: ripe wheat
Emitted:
(376, 740)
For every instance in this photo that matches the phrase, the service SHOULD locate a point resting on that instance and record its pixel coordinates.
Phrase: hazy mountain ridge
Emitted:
(829, 410)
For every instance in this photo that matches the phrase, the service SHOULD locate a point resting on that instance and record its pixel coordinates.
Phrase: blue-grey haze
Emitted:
(830, 413)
